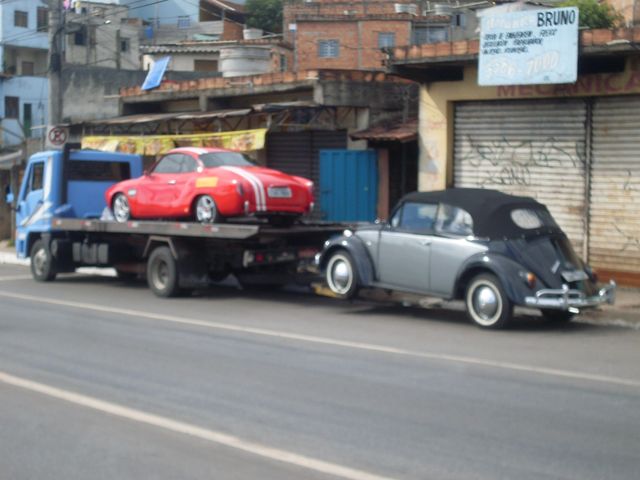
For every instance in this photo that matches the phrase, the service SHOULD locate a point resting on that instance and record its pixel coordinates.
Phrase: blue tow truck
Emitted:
(62, 223)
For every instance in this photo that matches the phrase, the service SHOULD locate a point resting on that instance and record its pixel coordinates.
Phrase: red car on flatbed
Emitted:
(209, 185)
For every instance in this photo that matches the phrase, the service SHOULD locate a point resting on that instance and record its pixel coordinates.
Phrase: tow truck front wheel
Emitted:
(42, 265)
(162, 273)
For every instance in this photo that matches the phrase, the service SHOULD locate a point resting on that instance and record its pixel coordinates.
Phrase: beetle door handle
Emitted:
(425, 243)
(171, 182)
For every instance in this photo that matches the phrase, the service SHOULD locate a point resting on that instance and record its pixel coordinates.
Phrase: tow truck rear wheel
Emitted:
(162, 273)
(42, 264)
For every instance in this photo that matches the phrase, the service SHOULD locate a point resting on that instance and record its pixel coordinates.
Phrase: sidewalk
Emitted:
(625, 312)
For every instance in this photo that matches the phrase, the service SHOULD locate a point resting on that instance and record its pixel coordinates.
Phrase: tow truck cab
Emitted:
(66, 184)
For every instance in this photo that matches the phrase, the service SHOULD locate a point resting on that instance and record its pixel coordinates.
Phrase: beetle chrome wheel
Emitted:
(206, 210)
(487, 305)
(341, 275)
(121, 209)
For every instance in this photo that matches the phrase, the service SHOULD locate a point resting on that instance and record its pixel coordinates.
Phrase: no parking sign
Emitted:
(57, 136)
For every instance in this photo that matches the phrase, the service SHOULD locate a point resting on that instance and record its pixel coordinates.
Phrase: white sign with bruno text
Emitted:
(529, 47)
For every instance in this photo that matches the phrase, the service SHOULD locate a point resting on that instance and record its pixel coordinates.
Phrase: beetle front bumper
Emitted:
(571, 299)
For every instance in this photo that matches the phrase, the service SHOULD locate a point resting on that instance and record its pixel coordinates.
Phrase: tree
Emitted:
(264, 14)
(596, 15)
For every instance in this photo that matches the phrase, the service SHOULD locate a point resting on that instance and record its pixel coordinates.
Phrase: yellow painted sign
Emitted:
(206, 182)
(241, 141)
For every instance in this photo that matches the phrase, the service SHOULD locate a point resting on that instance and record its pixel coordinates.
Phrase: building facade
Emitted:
(351, 34)
(571, 146)
(102, 34)
(23, 78)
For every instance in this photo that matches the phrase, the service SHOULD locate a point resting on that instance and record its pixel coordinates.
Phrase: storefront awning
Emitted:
(398, 132)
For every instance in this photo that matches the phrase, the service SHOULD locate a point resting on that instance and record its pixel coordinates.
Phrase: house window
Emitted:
(80, 37)
(205, 65)
(431, 34)
(28, 68)
(20, 19)
(386, 39)
(459, 20)
(283, 63)
(184, 21)
(43, 19)
(328, 48)
(11, 107)
(125, 45)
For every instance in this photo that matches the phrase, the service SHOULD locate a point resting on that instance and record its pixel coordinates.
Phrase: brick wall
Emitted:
(232, 30)
(295, 9)
(358, 42)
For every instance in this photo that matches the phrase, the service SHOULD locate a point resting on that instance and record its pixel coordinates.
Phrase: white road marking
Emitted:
(177, 426)
(554, 372)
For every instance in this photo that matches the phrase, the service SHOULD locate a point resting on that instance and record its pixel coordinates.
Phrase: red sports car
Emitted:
(209, 184)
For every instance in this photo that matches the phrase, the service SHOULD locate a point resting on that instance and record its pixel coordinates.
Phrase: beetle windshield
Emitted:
(220, 159)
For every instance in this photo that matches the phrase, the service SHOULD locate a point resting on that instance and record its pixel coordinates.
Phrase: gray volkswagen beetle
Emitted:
(490, 249)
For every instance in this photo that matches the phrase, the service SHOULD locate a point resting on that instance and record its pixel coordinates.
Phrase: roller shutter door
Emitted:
(298, 153)
(614, 236)
(534, 148)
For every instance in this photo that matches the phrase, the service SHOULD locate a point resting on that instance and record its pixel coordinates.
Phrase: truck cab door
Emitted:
(30, 207)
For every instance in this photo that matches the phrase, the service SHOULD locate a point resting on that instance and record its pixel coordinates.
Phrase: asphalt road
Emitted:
(100, 379)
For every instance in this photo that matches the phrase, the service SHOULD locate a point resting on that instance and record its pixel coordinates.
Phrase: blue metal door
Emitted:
(348, 185)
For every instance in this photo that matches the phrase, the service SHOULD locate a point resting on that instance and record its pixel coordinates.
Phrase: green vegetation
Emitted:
(264, 14)
(595, 15)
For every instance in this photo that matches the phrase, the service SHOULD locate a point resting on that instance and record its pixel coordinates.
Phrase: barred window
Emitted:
(328, 48)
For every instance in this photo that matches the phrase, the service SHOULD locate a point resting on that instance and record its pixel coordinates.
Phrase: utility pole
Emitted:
(56, 38)
(118, 49)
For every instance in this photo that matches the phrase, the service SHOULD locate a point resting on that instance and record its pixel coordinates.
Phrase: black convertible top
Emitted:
(489, 209)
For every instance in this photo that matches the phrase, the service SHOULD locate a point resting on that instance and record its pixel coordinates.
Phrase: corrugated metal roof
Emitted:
(399, 132)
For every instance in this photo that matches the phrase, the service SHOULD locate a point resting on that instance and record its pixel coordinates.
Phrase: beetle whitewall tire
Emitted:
(487, 304)
(341, 274)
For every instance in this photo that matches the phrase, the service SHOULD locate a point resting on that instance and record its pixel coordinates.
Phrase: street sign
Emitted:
(57, 136)
(529, 47)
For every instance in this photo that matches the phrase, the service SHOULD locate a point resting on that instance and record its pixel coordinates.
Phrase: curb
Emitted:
(628, 317)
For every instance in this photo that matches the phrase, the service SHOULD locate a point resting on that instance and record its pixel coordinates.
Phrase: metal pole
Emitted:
(56, 35)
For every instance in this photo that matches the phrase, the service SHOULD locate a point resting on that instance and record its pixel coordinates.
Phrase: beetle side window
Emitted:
(454, 221)
(169, 164)
(416, 217)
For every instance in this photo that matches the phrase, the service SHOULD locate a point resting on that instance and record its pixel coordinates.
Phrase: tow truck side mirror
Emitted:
(8, 195)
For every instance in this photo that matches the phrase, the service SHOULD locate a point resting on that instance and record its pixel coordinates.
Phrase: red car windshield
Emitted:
(220, 159)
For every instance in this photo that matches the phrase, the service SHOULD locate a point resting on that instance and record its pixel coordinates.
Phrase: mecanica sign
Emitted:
(529, 47)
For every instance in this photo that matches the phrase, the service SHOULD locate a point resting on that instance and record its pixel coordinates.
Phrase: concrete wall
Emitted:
(436, 111)
(168, 11)
(92, 93)
(21, 36)
(103, 47)
(32, 90)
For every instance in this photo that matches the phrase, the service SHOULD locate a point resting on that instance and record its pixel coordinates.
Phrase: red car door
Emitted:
(159, 190)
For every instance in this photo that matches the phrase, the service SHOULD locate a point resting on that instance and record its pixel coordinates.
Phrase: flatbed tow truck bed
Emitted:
(179, 256)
